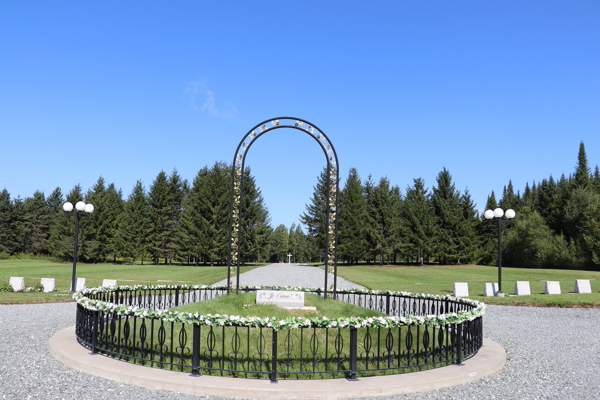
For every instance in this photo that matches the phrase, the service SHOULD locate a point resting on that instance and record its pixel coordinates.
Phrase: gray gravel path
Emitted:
(290, 275)
(552, 354)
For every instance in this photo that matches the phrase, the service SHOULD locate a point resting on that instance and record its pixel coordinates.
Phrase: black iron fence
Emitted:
(311, 352)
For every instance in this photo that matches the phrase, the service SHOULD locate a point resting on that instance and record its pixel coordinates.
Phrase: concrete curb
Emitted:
(64, 347)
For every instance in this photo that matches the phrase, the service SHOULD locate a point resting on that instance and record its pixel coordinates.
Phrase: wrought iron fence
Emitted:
(265, 352)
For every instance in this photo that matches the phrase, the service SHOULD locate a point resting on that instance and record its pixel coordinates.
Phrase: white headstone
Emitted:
(81, 284)
(582, 286)
(461, 289)
(552, 287)
(49, 284)
(109, 282)
(522, 288)
(17, 283)
(280, 298)
(490, 289)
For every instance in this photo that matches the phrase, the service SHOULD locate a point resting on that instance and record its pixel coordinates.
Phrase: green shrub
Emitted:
(4, 256)
(5, 287)
(38, 287)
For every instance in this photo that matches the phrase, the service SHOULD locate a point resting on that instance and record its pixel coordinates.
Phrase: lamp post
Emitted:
(79, 207)
(495, 218)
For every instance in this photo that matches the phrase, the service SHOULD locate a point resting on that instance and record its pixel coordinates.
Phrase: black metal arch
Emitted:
(236, 205)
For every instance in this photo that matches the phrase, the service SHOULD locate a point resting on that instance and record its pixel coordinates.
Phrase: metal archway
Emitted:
(236, 205)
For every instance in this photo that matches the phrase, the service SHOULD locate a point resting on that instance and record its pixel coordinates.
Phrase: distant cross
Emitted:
(289, 258)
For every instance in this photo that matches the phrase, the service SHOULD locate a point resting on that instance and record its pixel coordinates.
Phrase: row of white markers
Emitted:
(49, 284)
(461, 289)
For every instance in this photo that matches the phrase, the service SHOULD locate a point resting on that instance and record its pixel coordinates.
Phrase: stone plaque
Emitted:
(80, 284)
(17, 283)
(49, 284)
(582, 286)
(280, 298)
(490, 289)
(109, 282)
(461, 289)
(552, 287)
(522, 288)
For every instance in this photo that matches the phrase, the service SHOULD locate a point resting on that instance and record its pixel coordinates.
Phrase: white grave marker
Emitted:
(49, 284)
(552, 287)
(582, 286)
(80, 285)
(522, 288)
(281, 298)
(490, 289)
(289, 258)
(461, 289)
(17, 283)
(109, 282)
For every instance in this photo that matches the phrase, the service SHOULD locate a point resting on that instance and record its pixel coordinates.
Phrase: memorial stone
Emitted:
(461, 289)
(286, 299)
(582, 286)
(80, 284)
(522, 288)
(49, 284)
(17, 283)
(552, 287)
(109, 282)
(490, 289)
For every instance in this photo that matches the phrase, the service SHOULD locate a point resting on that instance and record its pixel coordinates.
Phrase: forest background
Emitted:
(557, 223)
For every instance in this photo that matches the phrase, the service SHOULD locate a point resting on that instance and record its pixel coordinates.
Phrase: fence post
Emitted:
(274, 357)
(177, 296)
(196, 350)
(459, 344)
(387, 303)
(353, 351)
(95, 332)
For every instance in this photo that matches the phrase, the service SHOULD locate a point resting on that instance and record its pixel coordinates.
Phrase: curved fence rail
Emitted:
(244, 351)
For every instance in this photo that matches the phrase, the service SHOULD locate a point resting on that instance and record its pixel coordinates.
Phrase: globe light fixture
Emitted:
(80, 207)
(495, 217)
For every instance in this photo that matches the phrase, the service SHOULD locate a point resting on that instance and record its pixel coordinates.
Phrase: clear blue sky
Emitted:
(490, 90)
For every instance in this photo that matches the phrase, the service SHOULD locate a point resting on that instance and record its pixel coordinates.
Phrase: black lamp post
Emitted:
(79, 207)
(495, 218)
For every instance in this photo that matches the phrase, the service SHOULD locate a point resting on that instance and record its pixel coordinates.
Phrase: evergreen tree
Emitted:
(54, 203)
(160, 213)
(255, 223)
(582, 170)
(384, 216)
(36, 224)
(279, 244)
(178, 189)
(419, 216)
(8, 242)
(315, 218)
(449, 217)
(62, 232)
(133, 225)
(352, 224)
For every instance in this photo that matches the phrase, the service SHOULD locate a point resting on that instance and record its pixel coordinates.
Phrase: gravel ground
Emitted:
(290, 275)
(552, 354)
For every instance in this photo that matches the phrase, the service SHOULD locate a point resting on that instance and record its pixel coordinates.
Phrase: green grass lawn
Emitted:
(34, 270)
(440, 279)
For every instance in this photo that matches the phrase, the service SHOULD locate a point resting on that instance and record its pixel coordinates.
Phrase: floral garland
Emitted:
(278, 324)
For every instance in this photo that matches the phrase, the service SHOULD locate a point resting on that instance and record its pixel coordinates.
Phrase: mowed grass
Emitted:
(440, 280)
(147, 274)
(244, 305)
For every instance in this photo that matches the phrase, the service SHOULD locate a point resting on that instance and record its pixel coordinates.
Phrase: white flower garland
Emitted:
(279, 324)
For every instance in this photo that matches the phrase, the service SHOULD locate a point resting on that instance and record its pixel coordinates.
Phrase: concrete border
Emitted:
(64, 347)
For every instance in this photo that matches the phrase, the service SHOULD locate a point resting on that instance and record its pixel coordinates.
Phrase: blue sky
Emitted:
(490, 90)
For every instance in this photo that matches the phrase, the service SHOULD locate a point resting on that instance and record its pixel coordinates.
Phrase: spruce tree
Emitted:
(420, 219)
(449, 217)
(8, 242)
(352, 224)
(134, 225)
(582, 170)
(255, 223)
(160, 212)
(36, 221)
(62, 232)
(314, 219)
(178, 189)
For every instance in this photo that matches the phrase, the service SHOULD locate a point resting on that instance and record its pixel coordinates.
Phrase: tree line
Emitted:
(557, 223)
